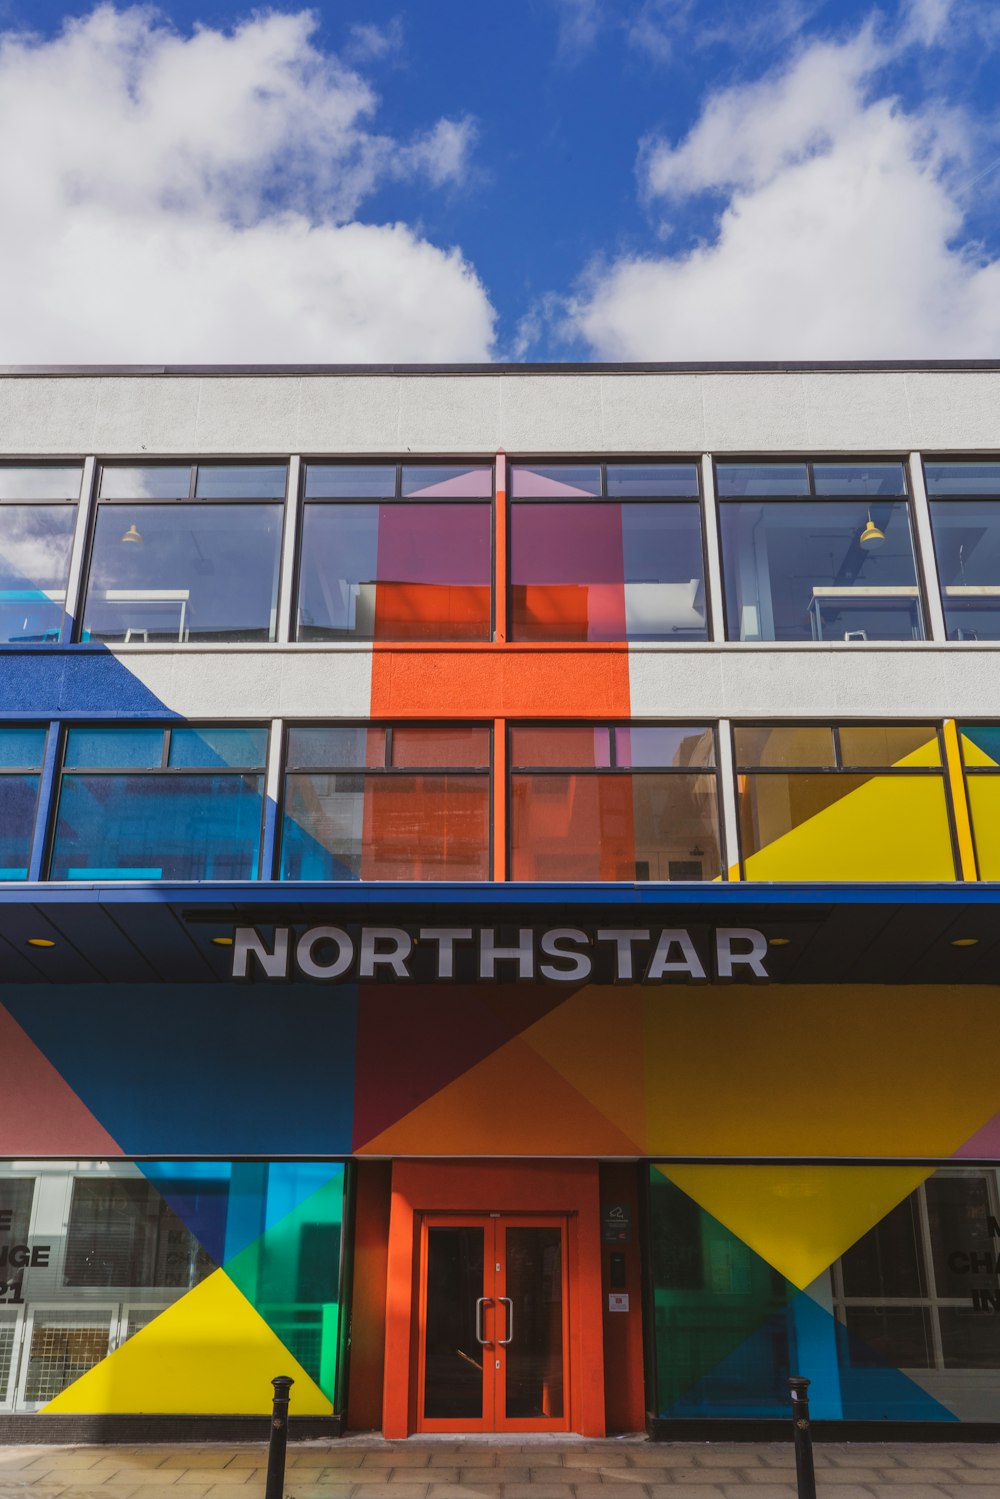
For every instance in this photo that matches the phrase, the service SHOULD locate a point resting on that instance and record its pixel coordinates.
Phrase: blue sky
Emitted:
(455, 179)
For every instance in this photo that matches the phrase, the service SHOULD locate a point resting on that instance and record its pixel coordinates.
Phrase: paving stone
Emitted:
(398, 1490)
(726, 1457)
(685, 1491)
(662, 1455)
(915, 1491)
(977, 1457)
(545, 1473)
(759, 1490)
(465, 1491)
(608, 1491)
(490, 1476)
(696, 1476)
(973, 1478)
(894, 1478)
(535, 1491)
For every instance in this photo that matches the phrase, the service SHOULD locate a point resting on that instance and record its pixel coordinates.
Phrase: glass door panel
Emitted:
(453, 1356)
(533, 1338)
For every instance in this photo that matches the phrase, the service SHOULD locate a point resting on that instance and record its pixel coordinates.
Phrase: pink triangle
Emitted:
(984, 1144)
(39, 1112)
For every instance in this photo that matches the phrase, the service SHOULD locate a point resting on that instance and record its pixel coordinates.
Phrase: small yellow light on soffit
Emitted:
(40, 942)
(223, 941)
(965, 941)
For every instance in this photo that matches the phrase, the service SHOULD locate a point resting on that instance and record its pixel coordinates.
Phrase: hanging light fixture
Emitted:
(132, 534)
(871, 537)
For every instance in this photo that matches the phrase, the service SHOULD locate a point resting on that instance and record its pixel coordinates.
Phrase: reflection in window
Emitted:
(835, 563)
(160, 804)
(202, 564)
(37, 517)
(635, 802)
(396, 552)
(21, 752)
(903, 1325)
(981, 757)
(857, 802)
(966, 525)
(402, 803)
(115, 1245)
(606, 552)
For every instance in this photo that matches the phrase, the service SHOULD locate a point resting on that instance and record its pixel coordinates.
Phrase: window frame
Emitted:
(962, 498)
(715, 770)
(810, 463)
(974, 770)
(398, 498)
(388, 770)
(65, 635)
(163, 769)
(38, 771)
(604, 463)
(941, 770)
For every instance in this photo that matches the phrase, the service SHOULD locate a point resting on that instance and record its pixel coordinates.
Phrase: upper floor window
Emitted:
(38, 509)
(965, 516)
(184, 552)
(144, 803)
(387, 802)
(396, 552)
(848, 802)
(613, 802)
(818, 551)
(606, 551)
(21, 753)
(981, 757)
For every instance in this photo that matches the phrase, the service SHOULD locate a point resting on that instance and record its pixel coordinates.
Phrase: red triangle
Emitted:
(39, 1112)
(414, 1040)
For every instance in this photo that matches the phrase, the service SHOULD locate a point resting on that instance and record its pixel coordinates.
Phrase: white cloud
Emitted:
(840, 233)
(185, 198)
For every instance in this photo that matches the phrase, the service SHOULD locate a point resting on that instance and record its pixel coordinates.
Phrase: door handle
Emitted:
(483, 1301)
(510, 1321)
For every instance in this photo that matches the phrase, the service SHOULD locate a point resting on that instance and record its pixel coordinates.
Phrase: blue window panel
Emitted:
(242, 481)
(18, 797)
(21, 749)
(35, 545)
(243, 749)
(868, 479)
(967, 547)
(155, 481)
(40, 481)
(118, 749)
(648, 480)
(342, 748)
(189, 827)
(738, 479)
(360, 481)
(962, 478)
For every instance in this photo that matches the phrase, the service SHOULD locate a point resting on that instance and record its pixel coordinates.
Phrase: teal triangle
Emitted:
(290, 1273)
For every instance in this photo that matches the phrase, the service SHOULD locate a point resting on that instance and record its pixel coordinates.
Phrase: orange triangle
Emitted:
(512, 1103)
(592, 1040)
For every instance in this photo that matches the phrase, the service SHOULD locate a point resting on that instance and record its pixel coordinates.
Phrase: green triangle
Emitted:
(291, 1276)
(699, 1265)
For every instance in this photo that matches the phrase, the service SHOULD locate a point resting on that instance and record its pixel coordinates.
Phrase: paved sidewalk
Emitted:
(512, 1468)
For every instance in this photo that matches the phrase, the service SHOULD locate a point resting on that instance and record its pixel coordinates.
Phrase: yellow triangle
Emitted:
(973, 755)
(890, 828)
(210, 1353)
(592, 1040)
(798, 1218)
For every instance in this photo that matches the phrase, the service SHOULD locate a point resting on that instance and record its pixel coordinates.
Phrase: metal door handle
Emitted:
(510, 1321)
(483, 1301)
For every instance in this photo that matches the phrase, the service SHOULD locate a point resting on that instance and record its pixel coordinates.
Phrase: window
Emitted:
(818, 551)
(185, 553)
(965, 517)
(396, 552)
(149, 803)
(38, 510)
(403, 802)
(855, 802)
(606, 551)
(613, 802)
(21, 752)
(981, 758)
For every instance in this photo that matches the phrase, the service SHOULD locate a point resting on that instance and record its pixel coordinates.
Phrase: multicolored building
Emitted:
(498, 905)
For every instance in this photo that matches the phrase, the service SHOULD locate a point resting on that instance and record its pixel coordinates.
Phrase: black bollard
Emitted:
(279, 1438)
(805, 1472)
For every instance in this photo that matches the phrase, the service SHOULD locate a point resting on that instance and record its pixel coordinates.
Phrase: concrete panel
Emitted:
(857, 412)
(326, 684)
(955, 412)
(447, 414)
(652, 414)
(675, 683)
(247, 416)
(348, 414)
(552, 415)
(146, 415)
(47, 416)
(755, 413)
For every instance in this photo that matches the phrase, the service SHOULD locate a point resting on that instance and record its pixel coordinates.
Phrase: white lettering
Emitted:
(490, 955)
(396, 956)
(661, 962)
(623, 941)
(553, 946)
(726, 959)
(247, 943)
(446, 937)
(310, 940)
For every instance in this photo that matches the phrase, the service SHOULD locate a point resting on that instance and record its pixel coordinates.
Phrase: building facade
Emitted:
(498, 905)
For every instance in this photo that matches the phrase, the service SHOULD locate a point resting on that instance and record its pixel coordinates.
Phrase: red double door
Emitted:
(493, 1323)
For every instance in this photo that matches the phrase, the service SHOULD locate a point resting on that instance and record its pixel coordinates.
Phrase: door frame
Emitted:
(494, 1225)
(567, 1189)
